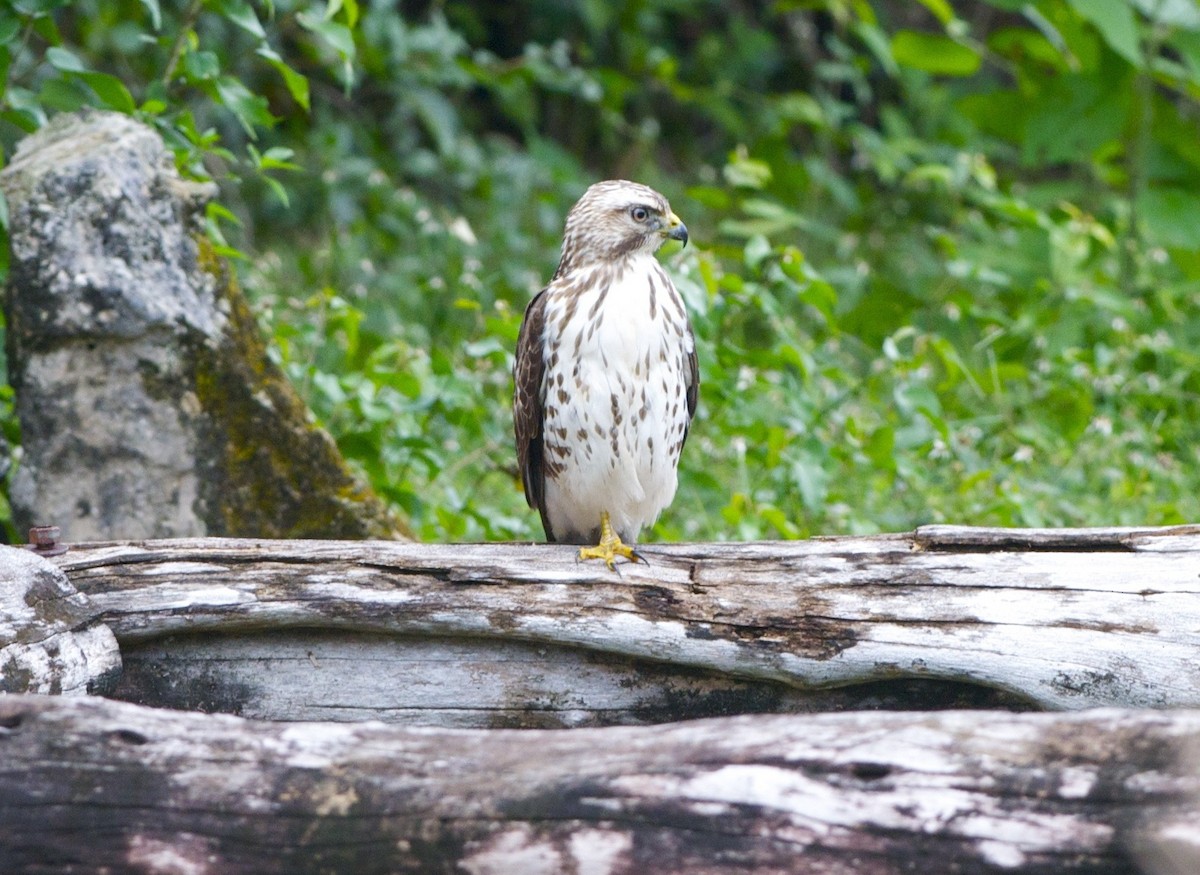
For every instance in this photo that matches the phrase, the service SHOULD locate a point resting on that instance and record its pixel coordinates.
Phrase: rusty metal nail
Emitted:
(43, 540)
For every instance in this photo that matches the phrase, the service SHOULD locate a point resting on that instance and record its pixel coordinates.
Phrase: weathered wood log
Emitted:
(512, 635)
(50, 639)
(88, 785)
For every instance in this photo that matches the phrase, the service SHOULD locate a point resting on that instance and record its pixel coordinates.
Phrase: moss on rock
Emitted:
(148, 403)
(268, 468)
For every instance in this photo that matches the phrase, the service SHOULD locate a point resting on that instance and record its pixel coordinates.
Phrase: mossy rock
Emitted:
(148, 403)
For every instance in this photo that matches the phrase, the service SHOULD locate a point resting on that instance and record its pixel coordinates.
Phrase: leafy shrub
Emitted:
(947, 260)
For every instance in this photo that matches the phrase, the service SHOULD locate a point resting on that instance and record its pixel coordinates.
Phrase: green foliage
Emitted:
(947, 260)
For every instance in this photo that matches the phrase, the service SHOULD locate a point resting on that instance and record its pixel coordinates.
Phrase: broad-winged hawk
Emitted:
(605, 375)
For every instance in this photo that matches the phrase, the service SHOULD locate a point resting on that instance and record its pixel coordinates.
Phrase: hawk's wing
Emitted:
(692, 384)
(528, 371)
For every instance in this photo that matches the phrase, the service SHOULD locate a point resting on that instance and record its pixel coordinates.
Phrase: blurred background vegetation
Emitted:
(947, 252)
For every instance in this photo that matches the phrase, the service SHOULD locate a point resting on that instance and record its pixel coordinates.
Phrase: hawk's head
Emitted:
(617, 218)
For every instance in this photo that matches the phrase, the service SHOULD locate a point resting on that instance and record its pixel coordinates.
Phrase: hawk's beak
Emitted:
(676, 230)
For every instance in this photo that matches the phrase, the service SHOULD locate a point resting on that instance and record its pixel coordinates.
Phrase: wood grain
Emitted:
(88, 785)
(1059, 619)
(50, 639)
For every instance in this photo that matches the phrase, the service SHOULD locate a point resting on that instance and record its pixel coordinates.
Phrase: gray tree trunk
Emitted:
(148, 405)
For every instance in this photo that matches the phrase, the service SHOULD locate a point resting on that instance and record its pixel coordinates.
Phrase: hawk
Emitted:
(605, 375)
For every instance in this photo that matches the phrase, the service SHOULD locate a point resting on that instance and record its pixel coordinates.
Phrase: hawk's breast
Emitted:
(614, 396)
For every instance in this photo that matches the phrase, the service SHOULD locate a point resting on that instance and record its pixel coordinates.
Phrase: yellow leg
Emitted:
(610, 546)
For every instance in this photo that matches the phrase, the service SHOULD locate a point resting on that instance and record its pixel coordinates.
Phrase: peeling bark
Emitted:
(96, 786)
(50, 639)
(512, 635)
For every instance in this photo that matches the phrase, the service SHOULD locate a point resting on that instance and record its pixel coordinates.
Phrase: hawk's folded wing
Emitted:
(528, 371)
(693, 384)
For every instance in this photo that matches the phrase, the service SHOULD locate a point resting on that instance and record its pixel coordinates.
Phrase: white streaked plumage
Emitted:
(606, 378)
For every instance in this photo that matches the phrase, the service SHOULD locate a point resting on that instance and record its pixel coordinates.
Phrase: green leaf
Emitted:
(881, 448)
(1187, 43)
(1075, 115)
(333, 7)
(1028, 48)
(61, 59)
(914, 398)
(27, 112)
(217, 213)
(5, 66)
(279, 158)
(941, 9)
(822, 296)
(201, 66)
(798, 107)
(251, 110)
(10, 26)
(3, 212)
(339, 37)
(439, 115)
(152, 7)
(297, 84)
(242, 14)
(1172, 13)
(62, 94)
(876, 42)
(1170, 216)
(811, 480)
(39, 7)
(111, 91)
(1070, 408)
(47, 29)
(712, 196)
(757, 249)
(746, 172)
(277, 189)
(934, 53)
(1117, 24)
(1000, 113)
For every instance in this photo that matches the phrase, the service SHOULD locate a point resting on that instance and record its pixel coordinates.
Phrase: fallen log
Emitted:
(520, 635)
(89, 785)
(50, 639)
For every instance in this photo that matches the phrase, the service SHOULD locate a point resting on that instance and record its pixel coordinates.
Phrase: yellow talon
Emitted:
(610, 546)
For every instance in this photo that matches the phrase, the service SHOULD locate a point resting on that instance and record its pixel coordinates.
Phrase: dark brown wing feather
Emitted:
(692, 385)
(528, 371)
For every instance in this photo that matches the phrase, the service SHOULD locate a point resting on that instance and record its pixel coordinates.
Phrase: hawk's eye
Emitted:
(640, 214)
